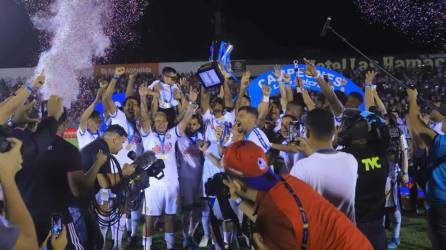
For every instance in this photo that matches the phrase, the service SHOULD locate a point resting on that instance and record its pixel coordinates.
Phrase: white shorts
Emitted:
(161, 198)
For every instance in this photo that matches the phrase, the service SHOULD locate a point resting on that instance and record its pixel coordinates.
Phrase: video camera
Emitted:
(357, 125)
(214, 186)
(146, 165)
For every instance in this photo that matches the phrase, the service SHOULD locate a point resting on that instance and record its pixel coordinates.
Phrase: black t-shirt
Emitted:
(89, 153)
(372, 175)
(44, 185)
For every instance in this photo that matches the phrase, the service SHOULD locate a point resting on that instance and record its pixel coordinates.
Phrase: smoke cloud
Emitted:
(77, 36)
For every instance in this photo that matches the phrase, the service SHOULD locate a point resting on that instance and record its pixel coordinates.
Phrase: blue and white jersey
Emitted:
(257, 136)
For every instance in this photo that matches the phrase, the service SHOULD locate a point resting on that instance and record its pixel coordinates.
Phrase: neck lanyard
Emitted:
(130, 132)
(162, 141)
(326, 151)
(303, 215)
(165, 96)
(194, 138)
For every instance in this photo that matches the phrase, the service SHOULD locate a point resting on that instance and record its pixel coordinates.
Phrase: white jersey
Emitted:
(133, 142)
(257, 136)
(167, 97)
(85, 137)
(218, 127)
(209, 169)
(164, 148)
(333, 176)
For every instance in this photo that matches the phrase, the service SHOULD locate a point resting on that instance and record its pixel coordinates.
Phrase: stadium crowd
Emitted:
(303, 170)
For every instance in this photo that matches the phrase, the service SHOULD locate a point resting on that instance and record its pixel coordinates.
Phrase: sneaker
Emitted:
(393, 244)
(204, 241)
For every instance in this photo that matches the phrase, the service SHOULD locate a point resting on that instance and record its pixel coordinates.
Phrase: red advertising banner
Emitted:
(140, 68)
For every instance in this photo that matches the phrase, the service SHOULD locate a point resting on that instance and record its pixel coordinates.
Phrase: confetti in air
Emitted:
(77, 32)
(424, 20)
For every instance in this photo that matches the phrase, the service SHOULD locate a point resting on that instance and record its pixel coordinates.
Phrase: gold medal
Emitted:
(128, 147)
(163, 156)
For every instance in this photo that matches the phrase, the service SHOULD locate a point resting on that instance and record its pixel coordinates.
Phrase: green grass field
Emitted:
(413, 235)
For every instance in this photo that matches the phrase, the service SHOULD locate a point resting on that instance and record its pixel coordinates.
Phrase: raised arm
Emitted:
(130, 90)
(244, 83)
(16, 211)
(107, 101)
(264, 105)
(328, 92)
(229, 104)
(369, 98)
(19, 97)
(205, 100)
(281, 79)
(145, 114)
(87, 113)
(305, 95)
(193, 95)
(414, 120)
(379, 102)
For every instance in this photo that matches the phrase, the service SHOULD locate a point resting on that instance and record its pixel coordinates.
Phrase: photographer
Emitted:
(17, 229)
(288, 214)
(58, 181)
(103, 169)
(360, 136)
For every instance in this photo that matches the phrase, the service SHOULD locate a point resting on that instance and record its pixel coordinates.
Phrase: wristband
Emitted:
(116, 78)
(265, 98)
(28, 86)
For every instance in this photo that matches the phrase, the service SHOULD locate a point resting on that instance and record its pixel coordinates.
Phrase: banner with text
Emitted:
(140, 68)
(255, 87)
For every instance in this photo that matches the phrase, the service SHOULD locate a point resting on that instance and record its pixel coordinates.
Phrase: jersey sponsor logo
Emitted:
(158, 149)
(371, 163)
(262, 164)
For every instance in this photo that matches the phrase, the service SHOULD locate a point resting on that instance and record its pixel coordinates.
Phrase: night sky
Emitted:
(179, 30)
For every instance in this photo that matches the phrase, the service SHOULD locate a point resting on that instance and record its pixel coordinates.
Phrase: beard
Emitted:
(189, 132)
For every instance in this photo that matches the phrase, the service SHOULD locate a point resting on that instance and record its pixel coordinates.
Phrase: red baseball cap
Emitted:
(248, 161)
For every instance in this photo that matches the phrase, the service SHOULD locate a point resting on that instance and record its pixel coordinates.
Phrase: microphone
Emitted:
(326, 27)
